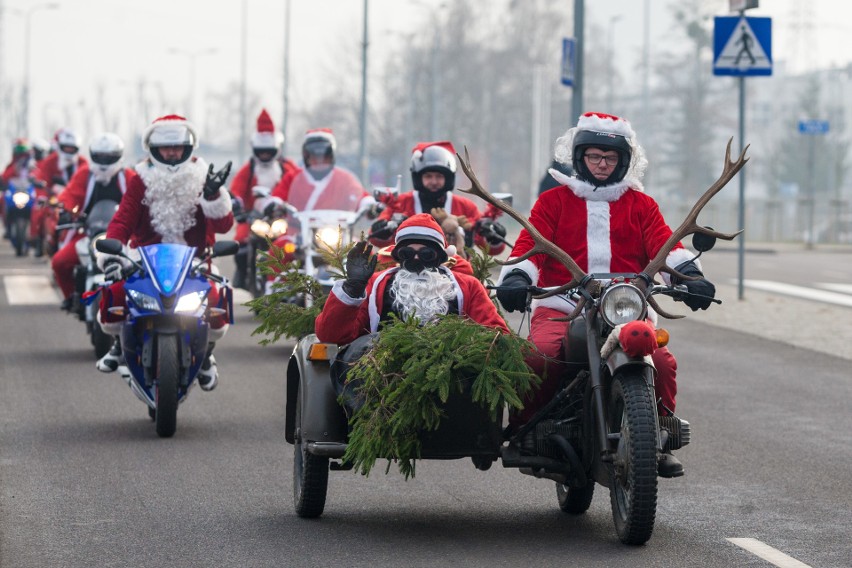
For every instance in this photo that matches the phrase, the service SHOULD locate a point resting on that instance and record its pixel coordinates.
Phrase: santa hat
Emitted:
(433, 154)
(322, 134)
(266, 135)
(607, 123)
(170, 126)
(422, 228)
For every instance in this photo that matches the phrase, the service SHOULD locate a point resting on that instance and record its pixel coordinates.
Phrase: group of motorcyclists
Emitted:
(601, 216)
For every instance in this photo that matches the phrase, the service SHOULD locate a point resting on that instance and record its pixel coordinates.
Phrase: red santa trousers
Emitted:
(63, 264)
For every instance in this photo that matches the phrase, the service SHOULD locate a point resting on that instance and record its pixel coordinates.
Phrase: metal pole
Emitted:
(363, 161)
(741, 216)
(577, 96)
(535, 143)
(286, 75)
(25, 93)
(811, 194)
(3, 101)
(243, 66)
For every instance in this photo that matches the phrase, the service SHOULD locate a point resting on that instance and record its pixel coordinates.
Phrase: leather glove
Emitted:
(113, 270)
(360, 265)
(513, 291)
(383, 229)
(702, 286)
(491, 230)
(215, 180)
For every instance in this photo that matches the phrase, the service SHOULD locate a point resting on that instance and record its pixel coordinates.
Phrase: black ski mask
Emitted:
(428, 257)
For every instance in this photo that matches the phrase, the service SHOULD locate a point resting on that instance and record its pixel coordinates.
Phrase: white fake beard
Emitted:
(267, 174)
(65, 159)
(424, 295)
(172, 198)
(103, 174)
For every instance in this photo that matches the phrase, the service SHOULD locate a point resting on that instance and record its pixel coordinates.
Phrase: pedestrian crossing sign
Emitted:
(742, 46)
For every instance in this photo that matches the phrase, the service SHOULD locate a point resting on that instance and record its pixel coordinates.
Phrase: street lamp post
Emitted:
(193, 57)
(363, 161)
(610, 94)
(25, 93)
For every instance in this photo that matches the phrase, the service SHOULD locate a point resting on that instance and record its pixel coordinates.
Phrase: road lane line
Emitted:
(771, 555)
(29, 290)
(842, 288)
(800, 292)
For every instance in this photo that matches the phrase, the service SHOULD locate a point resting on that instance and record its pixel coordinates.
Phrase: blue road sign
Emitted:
(813, 127)
(742, 46)
(567, 70)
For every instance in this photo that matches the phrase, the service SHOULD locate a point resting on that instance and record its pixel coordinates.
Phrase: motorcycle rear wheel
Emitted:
(166, 385)
(575, 500)
(310, 475)
(633, 485)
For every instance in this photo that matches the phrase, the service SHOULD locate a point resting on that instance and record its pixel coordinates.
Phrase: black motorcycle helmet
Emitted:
(585, 139)
(433, 157)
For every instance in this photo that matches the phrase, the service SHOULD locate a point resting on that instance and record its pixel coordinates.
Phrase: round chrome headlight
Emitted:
(330, 236)
(278, 228)
(260, 227)
(622, 303)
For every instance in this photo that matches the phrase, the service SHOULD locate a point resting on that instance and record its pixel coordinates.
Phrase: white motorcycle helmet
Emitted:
(170, 131)
(106, 151)
(67, 145)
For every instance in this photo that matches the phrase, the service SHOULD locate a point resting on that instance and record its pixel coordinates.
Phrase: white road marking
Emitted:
(771, 555)
(800, 292)
(842, 288)
(29, 290)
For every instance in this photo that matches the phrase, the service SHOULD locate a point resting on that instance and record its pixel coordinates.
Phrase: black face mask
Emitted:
(417, 260)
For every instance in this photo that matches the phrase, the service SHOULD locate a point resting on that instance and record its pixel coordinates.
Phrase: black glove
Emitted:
(113, 270)
(272, 209)
(702, 286)
(491, 230)
(360, 265)
(215, 181)
(64, 218)
(512, 292)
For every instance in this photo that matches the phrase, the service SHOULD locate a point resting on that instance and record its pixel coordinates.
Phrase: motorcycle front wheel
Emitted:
(633, 486)
(166, 385)
(310, 475)
(19, 235)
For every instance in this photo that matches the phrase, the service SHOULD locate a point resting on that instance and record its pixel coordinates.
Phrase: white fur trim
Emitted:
(111, 328)
(340, 294)
(459, 294)
(373, 306)
(172, 197)
(421, 232)
(216, 334)
(589, 192)
(526, 266)
(598, 243)
(600, 124)
(675, 257)
(266, 139)
(219, 207)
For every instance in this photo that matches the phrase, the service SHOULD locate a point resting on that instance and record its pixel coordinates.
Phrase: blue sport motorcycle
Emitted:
(20, 199)
(165, 335)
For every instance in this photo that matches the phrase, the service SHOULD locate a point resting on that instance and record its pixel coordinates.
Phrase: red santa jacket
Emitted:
(246, 178)
(79, 190)
(344, 319)
(48, 170)
(191, 220)
(338, 190)
(610, 229)
(409, 204)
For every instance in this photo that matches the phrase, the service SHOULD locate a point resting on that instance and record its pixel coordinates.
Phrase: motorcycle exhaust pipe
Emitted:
(542, 474)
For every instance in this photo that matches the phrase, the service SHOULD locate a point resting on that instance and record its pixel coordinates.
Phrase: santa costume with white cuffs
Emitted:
(344, 318)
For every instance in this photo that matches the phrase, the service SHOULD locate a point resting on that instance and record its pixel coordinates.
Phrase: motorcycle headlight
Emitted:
(329, 236)
(278, 228)
(622, 303)
(189, 303)
(21, 199)
(260, 227)
(144, 301)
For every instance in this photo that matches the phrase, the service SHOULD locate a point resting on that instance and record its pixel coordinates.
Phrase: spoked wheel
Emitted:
(310, 475)
(575, 500)
(633, 488)
(166, 385)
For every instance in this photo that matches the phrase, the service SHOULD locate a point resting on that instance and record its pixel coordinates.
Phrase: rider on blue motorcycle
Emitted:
(177, 198)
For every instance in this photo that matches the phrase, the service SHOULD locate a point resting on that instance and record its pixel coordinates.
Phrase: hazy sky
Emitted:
(112, 43)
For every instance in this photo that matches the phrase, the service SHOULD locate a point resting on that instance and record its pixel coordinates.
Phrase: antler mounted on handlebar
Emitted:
(657, 264)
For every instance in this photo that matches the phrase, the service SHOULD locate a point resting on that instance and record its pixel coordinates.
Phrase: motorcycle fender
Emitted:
(619, 360)
(323, 419)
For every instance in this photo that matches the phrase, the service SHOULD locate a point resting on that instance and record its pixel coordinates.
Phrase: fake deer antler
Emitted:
(542, 245)
(690, 226)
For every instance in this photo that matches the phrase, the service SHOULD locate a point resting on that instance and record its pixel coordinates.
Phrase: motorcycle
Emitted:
(19, 199)
(164, 336)
(602, 427)
(87, 276)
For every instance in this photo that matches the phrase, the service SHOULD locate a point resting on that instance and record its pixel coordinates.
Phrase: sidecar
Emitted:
(317, 426)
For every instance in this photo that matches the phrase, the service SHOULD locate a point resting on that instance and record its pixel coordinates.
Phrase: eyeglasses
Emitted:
(426, 254)
(595, 159)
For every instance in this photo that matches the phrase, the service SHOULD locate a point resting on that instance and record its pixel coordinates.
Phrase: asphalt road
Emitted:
(85, 481)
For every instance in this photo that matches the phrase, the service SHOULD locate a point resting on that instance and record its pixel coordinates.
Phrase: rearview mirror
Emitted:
(702, 242)
(109, 246)
(225, 248)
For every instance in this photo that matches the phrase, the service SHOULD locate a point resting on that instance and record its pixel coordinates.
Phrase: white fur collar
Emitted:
(173, 197)
(589, 192)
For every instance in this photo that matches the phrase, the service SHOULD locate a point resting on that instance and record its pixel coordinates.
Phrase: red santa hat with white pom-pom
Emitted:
(266, 136)
(422, 228)
(323, 134)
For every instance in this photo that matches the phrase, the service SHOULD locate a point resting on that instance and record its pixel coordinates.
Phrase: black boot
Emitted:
(241, 261)
(208, 375)
(111, 361)
(66, 304)
(669, 466)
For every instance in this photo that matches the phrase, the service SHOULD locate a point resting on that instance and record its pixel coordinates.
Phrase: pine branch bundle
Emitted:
(412, 370)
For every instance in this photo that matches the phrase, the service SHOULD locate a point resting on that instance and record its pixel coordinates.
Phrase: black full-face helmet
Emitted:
(585, 139)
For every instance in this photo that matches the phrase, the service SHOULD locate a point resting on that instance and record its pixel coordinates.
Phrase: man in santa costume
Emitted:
(421, 286)
(56, 171)
(433, 175)
(603, 219)
(104, 179)
(265, 168)
(176, 198)
(321, 184)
